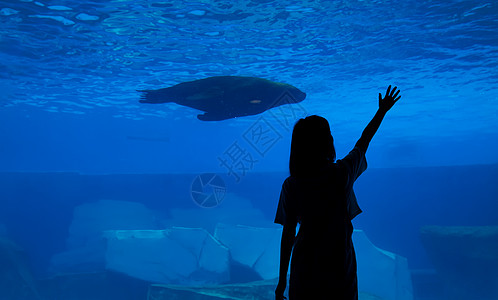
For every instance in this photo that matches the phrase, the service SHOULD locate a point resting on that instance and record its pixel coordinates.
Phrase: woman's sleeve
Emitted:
(355, 163)
(285, 215)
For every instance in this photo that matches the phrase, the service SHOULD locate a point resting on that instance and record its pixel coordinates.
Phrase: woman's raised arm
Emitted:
(385, 104)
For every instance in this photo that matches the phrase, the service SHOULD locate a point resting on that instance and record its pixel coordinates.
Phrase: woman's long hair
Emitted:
(312, 146)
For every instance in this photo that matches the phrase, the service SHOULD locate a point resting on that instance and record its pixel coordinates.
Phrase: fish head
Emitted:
(294, 95)
(298, 94)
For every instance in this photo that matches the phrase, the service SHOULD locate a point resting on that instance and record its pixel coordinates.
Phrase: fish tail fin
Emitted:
(151, 96)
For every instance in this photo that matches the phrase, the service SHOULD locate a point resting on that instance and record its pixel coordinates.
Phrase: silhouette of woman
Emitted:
(319, 196)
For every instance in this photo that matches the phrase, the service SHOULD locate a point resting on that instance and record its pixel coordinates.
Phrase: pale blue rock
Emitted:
(90, 220)
(86, 245)
(184, 256)
(380, 272)
(256, 248)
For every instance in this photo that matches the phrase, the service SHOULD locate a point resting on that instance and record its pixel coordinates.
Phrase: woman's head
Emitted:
(312, 146)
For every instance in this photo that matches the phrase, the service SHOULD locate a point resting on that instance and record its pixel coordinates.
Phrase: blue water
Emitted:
(70, 116)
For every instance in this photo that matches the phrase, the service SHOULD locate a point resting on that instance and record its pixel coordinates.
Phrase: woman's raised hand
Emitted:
(388, 101)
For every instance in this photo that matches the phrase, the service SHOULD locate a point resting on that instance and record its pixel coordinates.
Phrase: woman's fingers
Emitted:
(392, 94)
(397, 93)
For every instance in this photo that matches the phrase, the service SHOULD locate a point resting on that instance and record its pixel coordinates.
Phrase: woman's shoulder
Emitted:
(355, 154)
(289, 181)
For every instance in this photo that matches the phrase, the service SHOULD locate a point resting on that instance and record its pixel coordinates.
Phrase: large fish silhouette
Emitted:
(226, 97)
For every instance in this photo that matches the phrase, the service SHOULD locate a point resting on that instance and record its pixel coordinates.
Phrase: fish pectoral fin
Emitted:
(212, 117)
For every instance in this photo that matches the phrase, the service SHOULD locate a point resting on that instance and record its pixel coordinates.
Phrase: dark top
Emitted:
(323, 259)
